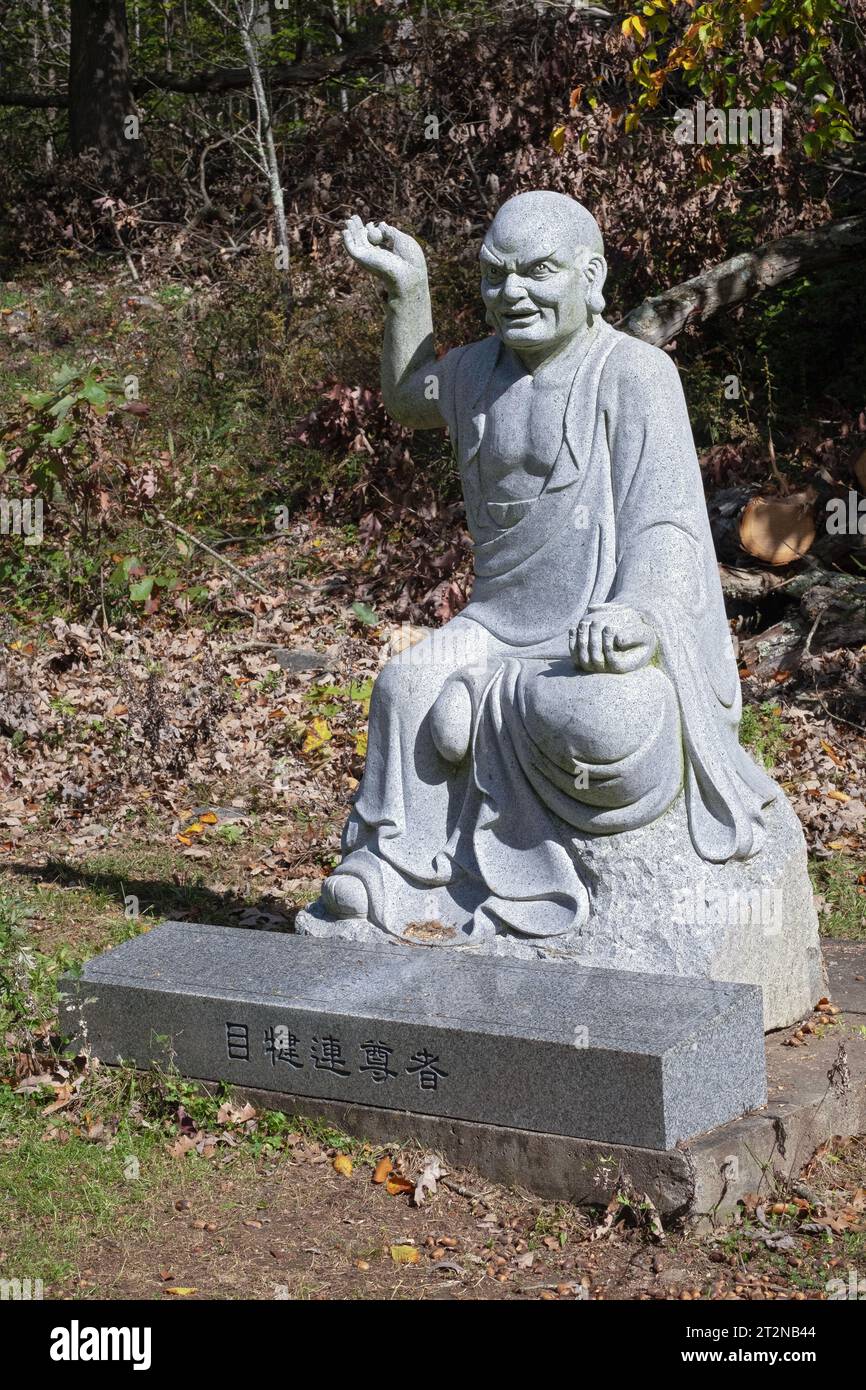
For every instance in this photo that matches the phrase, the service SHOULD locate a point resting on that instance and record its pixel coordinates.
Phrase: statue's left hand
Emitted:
(618, 640)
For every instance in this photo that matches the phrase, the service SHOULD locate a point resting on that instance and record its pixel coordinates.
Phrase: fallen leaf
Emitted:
(64, 1094)
(229, 1114)
(612, 1213)
(832, 754)
(318, 734)
(404, 1254)
(425, 1186)
(383, 1169)
(343, 1164)
(35, 1083)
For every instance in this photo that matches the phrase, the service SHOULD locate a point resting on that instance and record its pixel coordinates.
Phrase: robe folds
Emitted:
(556, 754)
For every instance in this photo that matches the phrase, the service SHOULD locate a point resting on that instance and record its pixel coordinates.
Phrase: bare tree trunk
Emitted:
(41, 29)
(100, 93)
(344, 95)
(261, 25)
(264, 135)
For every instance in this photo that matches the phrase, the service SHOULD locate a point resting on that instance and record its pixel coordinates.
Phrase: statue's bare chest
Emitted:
(522, 436)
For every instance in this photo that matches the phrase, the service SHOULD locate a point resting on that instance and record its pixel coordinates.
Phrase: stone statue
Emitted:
(557, 771)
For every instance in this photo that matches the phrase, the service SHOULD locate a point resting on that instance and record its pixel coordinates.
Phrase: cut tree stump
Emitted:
(751, 525)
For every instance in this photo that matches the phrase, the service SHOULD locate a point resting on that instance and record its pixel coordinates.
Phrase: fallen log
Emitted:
(831, 613)
(752, 585)
(841, 518)
(776, 653)
(659, 319)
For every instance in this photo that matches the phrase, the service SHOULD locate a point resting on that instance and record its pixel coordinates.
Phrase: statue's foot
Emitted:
(344, 895)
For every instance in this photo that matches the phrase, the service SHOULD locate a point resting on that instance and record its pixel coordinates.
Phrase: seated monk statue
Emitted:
(558, 767)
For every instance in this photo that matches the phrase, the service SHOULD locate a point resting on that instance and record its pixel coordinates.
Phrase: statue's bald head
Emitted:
(545, 216)
(543, 272)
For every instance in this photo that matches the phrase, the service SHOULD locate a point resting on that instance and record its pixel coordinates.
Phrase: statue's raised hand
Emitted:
(389, 253)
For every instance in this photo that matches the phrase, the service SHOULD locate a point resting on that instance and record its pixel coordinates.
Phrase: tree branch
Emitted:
(662, 317)
(34, 100)
(225, 79)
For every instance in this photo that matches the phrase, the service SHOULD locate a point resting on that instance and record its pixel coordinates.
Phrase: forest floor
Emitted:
(198, 764)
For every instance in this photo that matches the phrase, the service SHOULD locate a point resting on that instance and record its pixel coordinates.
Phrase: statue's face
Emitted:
(534, 285)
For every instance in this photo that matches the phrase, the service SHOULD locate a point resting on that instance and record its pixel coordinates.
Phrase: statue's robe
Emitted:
(557, 754)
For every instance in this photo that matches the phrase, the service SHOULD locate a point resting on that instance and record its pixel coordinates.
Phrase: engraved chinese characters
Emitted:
(326, 1052)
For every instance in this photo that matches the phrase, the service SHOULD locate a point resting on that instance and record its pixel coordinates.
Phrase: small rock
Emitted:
(304, 659)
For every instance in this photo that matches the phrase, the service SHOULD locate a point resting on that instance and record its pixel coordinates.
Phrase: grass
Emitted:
(763, 731)
(58, 1187)
(98, 1167)
(60, 1190)
(63, 1191)
(207, 424)
(96, 900)
(841, 882)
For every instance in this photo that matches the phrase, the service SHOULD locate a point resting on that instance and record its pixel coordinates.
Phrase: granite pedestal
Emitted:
(811, 1100)
(609, 1056)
